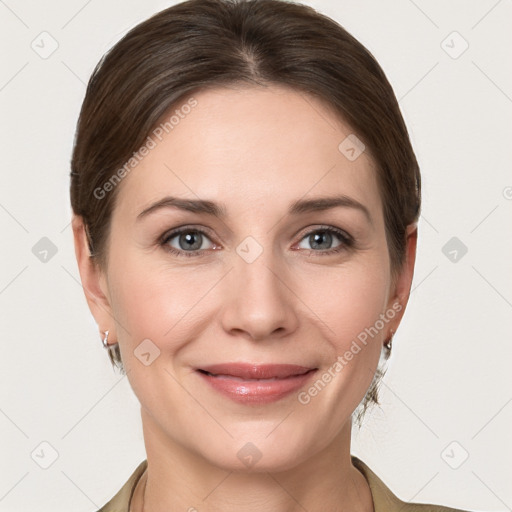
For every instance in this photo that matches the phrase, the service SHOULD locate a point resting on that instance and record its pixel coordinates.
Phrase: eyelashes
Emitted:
(178, 233)
(346, 241)
(194, 237)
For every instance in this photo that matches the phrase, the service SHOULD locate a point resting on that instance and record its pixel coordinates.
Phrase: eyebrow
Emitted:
(219, 210)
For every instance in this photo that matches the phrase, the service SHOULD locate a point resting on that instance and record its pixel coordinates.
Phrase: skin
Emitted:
(256, 150)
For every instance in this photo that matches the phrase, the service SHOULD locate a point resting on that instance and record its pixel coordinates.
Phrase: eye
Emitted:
(321, 241)
(192, 242)
(185, 242)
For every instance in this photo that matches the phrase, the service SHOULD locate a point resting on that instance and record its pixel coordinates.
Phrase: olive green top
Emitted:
(383, 499)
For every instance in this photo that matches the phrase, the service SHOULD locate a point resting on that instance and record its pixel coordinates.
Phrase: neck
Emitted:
(179, 479)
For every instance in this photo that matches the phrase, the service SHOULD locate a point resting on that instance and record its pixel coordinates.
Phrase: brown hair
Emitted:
(201, 44)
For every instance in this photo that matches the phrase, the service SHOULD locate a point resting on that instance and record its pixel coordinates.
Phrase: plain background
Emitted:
(447, 393)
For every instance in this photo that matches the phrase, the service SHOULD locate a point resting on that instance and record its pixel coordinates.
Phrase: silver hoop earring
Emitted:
(105, 339)
(389, 342)
(113, 350)
(110, 347)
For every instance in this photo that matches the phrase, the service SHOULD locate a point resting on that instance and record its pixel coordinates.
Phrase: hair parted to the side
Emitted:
(199, 44)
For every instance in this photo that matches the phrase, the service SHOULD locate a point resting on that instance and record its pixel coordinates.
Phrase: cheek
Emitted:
(346, 300)
(152, 309)
(360, 301)
(170, 305)
(154, 304)
(351, 306)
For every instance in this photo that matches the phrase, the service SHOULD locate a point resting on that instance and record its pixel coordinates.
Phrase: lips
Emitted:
(248, 383)
(248, 371)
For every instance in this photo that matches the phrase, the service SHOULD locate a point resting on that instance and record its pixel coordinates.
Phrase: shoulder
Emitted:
(385, 501)
(121, 501)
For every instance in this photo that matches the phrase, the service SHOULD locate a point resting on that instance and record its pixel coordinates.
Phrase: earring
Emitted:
(389, 342)
(113, 350)
(105, 340)
(110, 347)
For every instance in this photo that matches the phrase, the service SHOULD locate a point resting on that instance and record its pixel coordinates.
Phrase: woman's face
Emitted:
(263, 283)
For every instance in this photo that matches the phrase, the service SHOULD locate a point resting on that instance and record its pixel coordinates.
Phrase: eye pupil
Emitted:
(189, 238)
(316, 239)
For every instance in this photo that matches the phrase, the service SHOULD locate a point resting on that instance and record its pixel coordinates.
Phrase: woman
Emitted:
(245, 202)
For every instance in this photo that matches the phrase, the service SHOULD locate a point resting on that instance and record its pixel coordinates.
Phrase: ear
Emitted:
(94, 282)
(399, 296)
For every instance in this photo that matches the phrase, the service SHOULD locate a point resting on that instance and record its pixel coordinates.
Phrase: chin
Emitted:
(253, 454)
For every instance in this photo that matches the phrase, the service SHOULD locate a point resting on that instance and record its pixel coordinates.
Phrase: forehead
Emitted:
(249, 147)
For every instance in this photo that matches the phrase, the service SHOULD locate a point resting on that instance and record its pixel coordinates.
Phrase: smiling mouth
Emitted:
(242, 379)
(250, 383)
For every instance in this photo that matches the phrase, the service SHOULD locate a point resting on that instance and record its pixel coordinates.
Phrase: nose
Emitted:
(259, 301)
